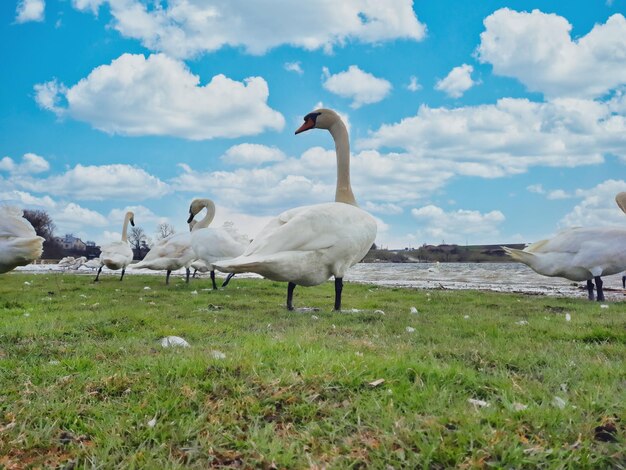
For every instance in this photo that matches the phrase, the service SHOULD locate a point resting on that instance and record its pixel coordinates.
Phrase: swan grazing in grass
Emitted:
(579, 254)
(171, 253)
(214, 244)
(117, 255)
(307, 245)
(19, 244)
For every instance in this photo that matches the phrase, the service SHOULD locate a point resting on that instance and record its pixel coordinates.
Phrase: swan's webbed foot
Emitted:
(590, 289)
(228, 278)
(338, 290)
(290, 287)
(213, 280)
(600, 296)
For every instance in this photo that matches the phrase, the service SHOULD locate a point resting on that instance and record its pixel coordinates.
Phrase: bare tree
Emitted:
(44, 227)
(41, 222)
(164, 230)
(137, 239)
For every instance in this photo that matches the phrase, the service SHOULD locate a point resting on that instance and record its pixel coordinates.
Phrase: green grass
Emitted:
(82, 373)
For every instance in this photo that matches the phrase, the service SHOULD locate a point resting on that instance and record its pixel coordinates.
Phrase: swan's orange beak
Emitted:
(308, 124)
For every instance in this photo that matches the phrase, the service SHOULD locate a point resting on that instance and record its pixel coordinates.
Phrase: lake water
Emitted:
(499, 277)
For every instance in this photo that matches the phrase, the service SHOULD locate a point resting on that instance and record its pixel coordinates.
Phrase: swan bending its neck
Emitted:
(196, 206)
(130, 217)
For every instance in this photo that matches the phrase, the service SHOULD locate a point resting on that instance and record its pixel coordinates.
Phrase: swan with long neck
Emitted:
(118, 255)
(213, 244)
(307, 245)
(19, 244)
(579, 254)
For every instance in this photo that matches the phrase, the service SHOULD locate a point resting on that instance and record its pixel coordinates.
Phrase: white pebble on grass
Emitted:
(152, 422)
(466, 317)
(558, 402)
(218, 354)
(380, 312)
(26, 314)
(604, 306)
(568, 317)
(413, 310)
(521, 322)
(174, 341)
(147, 288)
(314, 317)
(26, 283)
(478, 403)
(519, 406)
(410, 329)
(194, 292)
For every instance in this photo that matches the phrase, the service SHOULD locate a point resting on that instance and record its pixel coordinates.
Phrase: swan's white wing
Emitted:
(13, 224)
(307, 228)
(213, 244)
(573, 240)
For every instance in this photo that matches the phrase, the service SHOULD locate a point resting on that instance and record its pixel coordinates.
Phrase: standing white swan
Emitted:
(579, 254)
(213, 244)
(170, 253)
(307, 245)
(19, 244)
(118, 255)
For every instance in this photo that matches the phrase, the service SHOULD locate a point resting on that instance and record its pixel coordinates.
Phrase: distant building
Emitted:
(71, 243)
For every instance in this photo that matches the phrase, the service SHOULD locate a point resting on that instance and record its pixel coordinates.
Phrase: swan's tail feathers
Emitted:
(247, 264)
(519, 255)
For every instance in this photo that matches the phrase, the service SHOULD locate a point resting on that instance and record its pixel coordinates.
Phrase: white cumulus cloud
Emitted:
(456, 226)
(252, 154)
(158, 95)
(31, 163)
(508, 137)
(537, 49)
(359, 86)
(294, 67)
(597, 207)
(413, 85)
(186, 28)
(92, 182)
(30, 10)
(457, 82)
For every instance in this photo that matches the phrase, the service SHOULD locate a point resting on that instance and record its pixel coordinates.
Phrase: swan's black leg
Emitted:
(600, 296)
(624, 282)
(590, 288)
(228, 278)
(188, 274)
(98, 275)
(123, 271)
(338, 289)
(194, 273)
(290, 287)
(167, 277)
(213, 280)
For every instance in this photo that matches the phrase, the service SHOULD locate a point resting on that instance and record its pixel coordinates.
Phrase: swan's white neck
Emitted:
(210, 214)
(343, 192)
(125, 228)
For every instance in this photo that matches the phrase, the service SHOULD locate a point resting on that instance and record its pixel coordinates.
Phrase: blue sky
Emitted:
(470, 122)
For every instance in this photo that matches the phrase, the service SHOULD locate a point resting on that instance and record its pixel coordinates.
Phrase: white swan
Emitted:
(118, 255)
(307, 245)
(214, 244)
(169, 254)
(19, 244)
(579, 254)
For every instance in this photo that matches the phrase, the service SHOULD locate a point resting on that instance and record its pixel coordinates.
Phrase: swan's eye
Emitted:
(312, 117)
